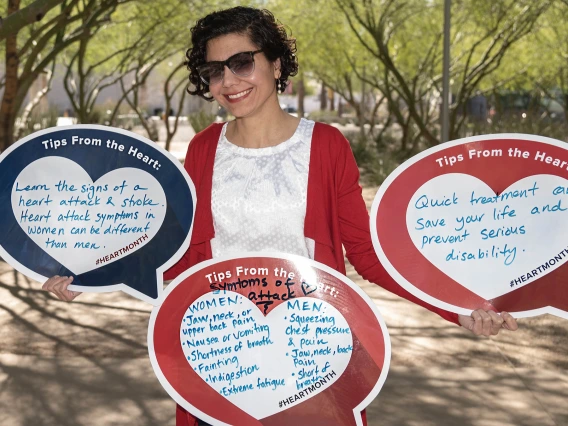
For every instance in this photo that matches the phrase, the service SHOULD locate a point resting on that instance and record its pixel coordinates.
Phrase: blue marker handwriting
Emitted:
(58, 208)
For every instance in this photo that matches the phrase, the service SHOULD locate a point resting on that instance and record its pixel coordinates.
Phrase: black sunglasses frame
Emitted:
(222, 64)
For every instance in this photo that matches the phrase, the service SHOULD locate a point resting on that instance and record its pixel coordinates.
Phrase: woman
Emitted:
(267, 180)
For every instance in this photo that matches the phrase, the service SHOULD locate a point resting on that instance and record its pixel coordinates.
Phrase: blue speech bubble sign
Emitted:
(106, 206)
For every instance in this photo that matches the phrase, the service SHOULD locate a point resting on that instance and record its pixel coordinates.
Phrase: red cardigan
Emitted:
(336, 215)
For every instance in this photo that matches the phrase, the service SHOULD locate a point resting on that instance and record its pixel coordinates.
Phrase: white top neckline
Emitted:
(268, 150)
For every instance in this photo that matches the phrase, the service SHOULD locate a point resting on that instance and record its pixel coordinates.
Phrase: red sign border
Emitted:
(296, 259)
(471, 300)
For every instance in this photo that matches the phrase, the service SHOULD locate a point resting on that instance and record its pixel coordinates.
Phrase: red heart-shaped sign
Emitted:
(269, 340)
(479, 223)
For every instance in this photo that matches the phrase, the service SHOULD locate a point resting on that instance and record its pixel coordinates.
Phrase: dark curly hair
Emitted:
(262, 28)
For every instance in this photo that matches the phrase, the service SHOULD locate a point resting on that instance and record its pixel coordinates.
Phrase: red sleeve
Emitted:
(183, 418)
(356, 234)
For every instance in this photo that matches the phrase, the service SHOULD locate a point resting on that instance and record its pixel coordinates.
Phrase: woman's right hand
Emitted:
(58, 286)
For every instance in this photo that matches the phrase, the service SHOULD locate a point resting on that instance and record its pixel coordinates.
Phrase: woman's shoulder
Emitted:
(211, 132)
(327, 129)
(202, 145)
(329, 137)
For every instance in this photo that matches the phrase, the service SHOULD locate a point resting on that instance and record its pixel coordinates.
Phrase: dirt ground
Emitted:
(86, 363)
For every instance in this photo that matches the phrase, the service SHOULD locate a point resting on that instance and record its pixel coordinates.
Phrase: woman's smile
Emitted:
(238, 97)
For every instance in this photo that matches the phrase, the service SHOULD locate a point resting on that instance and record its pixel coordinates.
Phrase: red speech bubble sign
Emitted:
(479, 223)
(269, 340)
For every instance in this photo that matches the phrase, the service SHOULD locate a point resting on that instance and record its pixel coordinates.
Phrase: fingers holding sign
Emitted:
(510, 322)
(487, 323)
(59, 287)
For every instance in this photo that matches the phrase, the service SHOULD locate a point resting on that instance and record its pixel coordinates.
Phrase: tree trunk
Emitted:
(323, 97)
(7, 108)
(84, 111)
(301, 95)
(331, 99)
(36, 97)
(363, 105)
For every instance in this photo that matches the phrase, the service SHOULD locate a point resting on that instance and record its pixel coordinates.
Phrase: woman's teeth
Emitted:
(240, 94)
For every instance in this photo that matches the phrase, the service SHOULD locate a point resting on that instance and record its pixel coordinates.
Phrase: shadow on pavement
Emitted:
(85, 363)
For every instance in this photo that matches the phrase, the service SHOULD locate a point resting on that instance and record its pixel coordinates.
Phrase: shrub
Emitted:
(200, 120)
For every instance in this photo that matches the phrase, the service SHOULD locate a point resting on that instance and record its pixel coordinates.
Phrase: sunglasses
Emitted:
(240, 64)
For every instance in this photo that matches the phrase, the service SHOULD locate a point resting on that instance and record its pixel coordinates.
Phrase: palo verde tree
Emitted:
(34, 48)
(405, 39)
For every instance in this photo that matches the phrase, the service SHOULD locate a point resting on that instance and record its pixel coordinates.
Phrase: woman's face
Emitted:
(242, 96)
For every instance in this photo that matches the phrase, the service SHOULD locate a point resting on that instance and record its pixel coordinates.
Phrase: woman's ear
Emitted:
(277, 71)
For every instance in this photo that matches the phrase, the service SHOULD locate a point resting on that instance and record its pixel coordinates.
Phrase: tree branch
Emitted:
(35, 12)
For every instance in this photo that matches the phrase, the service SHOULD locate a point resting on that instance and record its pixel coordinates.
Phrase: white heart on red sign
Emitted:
(297, 351)
(485, 241)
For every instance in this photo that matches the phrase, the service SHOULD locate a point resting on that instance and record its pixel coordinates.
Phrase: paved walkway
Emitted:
(180, 141)
(85, 363)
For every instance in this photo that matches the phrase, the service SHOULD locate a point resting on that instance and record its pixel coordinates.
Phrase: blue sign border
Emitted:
(139, 274)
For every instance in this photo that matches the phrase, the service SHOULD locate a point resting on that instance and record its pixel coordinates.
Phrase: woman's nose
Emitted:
(229, 78)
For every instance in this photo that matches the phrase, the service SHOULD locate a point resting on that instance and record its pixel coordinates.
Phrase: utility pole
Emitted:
(446, 94)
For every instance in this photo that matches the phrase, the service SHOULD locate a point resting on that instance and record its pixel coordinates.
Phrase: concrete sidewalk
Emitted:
(85, 363)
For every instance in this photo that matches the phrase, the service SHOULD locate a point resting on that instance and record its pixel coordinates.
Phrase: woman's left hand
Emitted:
(487, 323)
